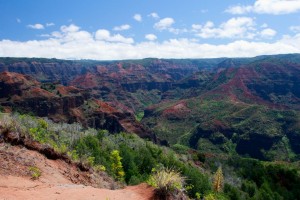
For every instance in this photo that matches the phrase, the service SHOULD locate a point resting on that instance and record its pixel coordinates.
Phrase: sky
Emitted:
(135, 29)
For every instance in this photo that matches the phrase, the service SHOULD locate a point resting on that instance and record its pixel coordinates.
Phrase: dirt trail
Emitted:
(18, 188)
(58, 180)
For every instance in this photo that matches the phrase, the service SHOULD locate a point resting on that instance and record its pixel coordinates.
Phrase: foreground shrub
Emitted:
(167, 183)
(35, 172)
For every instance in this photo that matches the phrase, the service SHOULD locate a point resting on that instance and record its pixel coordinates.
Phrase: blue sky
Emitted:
(133, 29)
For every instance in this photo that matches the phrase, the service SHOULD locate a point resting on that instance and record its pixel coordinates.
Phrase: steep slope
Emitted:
(272, 83)
(58, 179)
(132, 84)
(65, 104)
(253, 109)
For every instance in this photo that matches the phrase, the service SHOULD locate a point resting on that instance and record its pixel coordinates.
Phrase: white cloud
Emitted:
(177, 30)
(268, 33)
(122, 27)
(70, 42)
(150, 37)
(104, 35)
(71, 33)
(137, 17)
(295, 28)
(239, 10)
(154, 15)
(240, 27)
(264, 25)
(275, 7)
(196, 27)
(36, 26)
(50, 24)
(18, 20)
(70, 28)
(292, 41)
(164, 23)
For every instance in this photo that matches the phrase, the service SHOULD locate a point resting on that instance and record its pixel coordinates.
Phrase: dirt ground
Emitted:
(58, 180)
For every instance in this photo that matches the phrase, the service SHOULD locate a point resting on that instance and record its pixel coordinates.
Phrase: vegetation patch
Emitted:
(35, 172)
(130, 159)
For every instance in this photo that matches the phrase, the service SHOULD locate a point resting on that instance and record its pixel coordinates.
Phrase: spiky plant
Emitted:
(166, 182)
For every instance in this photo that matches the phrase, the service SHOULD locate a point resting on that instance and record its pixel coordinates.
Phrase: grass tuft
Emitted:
(35, 172)
(167, 183)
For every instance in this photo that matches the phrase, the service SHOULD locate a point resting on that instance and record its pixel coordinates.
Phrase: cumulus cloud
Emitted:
(154, 15)
(293, 41)
(71, 33)
(70, 28)
(240, 27)
(104, 35)
(268, 33)
(239, 10)
(70, 42)
(36, 26)
(137, 17)
(150, 37)
(164, 23)
(275, 7)
(122, 27)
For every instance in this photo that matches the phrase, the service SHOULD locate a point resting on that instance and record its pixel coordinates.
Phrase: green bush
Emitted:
(263, 180)
(232, 192)
(215, 196)
(200, 182)
(99, 168)
(249, 187)
(35, 172)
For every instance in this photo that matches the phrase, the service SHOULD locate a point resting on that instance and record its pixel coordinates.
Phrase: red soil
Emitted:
(87, 80)
(19, 188)
(12, 78)
(180, 109)
(104, 107)
(67, 90)
(58, 180)
(37, 92)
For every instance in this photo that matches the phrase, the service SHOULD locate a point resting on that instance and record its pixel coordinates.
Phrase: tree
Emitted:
(116, 165)
(218, 180)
